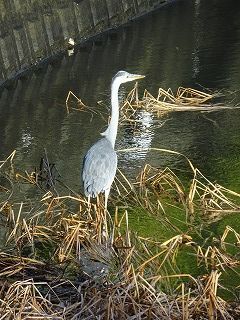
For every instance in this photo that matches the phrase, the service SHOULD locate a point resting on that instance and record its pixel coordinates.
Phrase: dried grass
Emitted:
(211, 200)
(165, 102)
(64, 263)
(58, 264)
(185, 99)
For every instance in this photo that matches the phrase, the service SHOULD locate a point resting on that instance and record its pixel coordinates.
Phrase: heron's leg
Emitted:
(106, 198)
(105, 229)
(89, 204)
(98, 201)
(89, 201)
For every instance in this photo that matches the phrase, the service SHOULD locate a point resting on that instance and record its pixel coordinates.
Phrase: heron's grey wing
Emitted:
(99, 168)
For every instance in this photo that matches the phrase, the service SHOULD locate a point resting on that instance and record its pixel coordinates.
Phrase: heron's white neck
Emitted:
(111, 132)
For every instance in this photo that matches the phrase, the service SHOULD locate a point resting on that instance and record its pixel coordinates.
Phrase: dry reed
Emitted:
(165, 102)
(57, 264)
(185, 99)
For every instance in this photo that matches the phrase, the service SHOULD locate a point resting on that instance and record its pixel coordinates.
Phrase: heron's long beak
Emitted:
(136, 76)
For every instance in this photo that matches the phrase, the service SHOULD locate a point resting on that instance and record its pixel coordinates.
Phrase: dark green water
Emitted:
(190, 43)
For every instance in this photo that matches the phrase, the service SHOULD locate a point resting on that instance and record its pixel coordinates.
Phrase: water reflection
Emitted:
(140, 139)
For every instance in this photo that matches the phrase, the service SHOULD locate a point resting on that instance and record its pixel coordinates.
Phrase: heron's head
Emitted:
(124, 76)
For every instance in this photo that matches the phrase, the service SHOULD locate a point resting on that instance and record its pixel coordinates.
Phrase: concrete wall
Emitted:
(32, 30)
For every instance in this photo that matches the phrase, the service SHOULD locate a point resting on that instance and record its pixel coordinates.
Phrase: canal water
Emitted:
(189, 43)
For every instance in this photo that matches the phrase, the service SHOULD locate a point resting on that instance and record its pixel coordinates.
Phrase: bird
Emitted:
(100, 161)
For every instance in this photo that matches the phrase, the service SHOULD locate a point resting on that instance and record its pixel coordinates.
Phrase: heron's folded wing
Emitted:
(99, 168)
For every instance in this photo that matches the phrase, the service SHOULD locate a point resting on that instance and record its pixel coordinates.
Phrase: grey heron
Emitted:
(100, 162)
